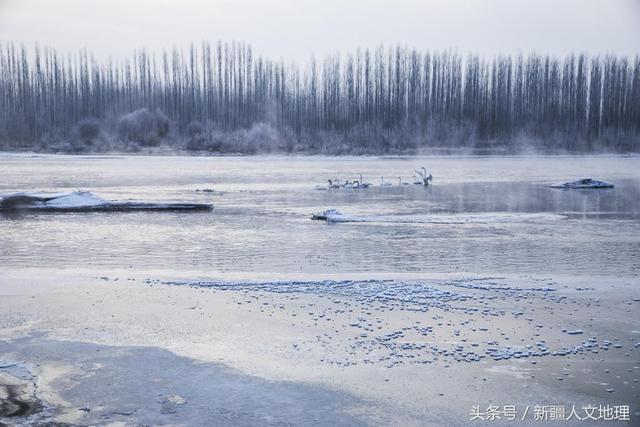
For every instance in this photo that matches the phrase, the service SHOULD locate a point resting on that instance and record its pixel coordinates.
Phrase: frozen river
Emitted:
(487, 287)
(480, 216)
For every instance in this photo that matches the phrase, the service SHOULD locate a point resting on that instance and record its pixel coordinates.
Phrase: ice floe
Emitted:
(84, 201)
(584, 183)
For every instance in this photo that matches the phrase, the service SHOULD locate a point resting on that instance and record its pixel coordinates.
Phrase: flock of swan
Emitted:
(420, 179)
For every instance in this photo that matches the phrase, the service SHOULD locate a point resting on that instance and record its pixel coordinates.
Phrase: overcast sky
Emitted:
(294, 29)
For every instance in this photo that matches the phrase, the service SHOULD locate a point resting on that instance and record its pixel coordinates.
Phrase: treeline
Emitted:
(223, 98)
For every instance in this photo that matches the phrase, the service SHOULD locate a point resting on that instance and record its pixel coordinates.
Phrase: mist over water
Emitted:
(489, 215)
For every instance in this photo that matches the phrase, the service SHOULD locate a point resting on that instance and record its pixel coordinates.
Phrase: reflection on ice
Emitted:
(333, 215)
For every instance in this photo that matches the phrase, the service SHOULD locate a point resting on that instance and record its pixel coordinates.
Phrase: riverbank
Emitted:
(173, 151)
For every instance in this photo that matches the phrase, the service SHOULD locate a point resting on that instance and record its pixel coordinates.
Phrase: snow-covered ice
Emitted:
(83, 201)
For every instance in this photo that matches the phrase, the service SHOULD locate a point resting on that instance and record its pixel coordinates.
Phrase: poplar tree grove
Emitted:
(222, 98)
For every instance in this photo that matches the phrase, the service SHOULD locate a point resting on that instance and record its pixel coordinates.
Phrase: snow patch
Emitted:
(75, 200)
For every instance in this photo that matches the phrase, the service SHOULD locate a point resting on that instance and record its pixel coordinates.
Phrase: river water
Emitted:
(488, 215)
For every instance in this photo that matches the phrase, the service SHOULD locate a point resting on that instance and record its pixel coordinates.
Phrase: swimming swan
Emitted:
(425, 179)
(332, 184)
(364, 184)
(383, 183)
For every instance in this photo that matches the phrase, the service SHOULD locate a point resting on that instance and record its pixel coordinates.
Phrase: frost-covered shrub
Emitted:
(215, 142)
(195, 132)
(131, 147)
(195, 129)
(163, 124)
(259, 138)
(144, 127)
(87, 130)
(64, 147)
(262, 137)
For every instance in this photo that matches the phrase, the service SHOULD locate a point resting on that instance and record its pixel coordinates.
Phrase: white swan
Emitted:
(383, 183)
(402, 183)
(332, 184)
(425, 179)
(428, 179)
(364, 184)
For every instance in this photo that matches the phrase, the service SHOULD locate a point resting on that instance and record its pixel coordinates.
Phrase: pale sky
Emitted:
(294, 29)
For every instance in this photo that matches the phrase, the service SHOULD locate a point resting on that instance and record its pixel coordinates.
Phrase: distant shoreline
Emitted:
(182, 153)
